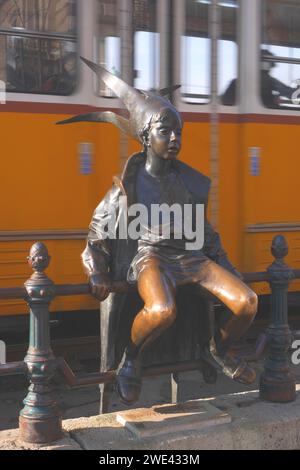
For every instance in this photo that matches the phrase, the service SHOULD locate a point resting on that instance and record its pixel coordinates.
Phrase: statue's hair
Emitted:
(144, 107)
(147, 127)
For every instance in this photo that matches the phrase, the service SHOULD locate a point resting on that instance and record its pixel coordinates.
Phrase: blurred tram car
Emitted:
(238, 63)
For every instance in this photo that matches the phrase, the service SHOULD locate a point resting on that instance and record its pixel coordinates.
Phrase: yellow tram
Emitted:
(238, 63)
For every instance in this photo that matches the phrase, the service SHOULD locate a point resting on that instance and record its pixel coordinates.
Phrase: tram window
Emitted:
(196, 52)
(2, 59)
(39, 52)
(195, 57)
(108, 42)
(228, 52)
(54, 16)
(146, 44)
(280, 54)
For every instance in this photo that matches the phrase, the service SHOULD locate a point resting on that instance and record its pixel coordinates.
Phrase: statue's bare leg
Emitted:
(159, 312)
(242, 302)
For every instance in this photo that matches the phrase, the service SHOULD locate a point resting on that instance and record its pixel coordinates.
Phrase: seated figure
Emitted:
(156, 263)
(272, 89)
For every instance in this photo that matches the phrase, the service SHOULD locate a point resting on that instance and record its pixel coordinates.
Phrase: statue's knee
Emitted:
(166, 312)
(250, 305)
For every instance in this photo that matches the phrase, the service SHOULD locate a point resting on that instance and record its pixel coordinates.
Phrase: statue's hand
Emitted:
(100, 285)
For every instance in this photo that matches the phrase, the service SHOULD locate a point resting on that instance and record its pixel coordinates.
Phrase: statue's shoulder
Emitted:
(197, 182)
(126, 182)
(134, 160)
(131, 166)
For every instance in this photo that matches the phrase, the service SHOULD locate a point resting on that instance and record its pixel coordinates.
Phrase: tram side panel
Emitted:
(270, 197)
(49, 187)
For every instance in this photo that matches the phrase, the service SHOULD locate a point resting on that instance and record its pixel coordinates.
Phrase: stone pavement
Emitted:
(254, 424)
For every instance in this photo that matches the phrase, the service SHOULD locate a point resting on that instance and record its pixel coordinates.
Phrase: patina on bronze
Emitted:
(158, 266)
(40, 419)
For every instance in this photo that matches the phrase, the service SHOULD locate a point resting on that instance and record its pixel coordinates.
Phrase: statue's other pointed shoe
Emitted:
(128, 382)
(233, 366)
(239, 370)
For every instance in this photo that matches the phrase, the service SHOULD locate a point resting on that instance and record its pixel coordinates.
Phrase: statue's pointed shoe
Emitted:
(128, 382)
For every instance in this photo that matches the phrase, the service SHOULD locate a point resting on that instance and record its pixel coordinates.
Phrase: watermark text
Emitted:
(158, 223)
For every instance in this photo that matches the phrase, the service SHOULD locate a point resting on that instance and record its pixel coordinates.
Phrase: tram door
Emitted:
(204, 59)
(270, 133)
(194, 44)
(128, 43)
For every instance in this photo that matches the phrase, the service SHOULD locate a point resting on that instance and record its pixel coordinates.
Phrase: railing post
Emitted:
(40, 419)
(277, 383)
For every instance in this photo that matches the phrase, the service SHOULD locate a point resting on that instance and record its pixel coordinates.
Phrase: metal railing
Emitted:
(40, 419)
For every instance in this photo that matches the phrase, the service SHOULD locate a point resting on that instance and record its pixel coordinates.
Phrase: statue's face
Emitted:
(165, 135)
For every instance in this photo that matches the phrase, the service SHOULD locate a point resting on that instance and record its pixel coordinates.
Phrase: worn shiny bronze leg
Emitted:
(242, 302)
(157, 315)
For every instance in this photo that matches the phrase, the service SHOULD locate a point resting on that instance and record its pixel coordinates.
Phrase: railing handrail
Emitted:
(61, 290)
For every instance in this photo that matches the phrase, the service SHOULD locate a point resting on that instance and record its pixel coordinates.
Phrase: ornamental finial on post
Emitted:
(39, 285)
(279, 271)
(39, 257)
(279, 248)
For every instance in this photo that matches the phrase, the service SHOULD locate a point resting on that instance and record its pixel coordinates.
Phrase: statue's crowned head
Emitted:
(144, 107)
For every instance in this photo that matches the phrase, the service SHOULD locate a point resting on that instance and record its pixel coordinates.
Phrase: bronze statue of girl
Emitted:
(156, 263)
